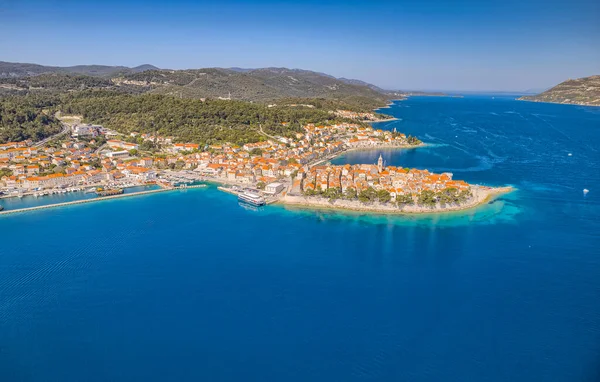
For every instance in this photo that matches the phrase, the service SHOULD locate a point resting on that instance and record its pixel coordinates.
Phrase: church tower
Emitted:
(380, 163)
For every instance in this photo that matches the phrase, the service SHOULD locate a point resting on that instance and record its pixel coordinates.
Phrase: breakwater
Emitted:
(29, 209)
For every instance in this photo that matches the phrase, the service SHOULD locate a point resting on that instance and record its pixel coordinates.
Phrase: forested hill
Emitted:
(258, 85)
(18, 69)
(24, 118)
(582, 91)
(192, 120)
(252, 85)
(197, 105)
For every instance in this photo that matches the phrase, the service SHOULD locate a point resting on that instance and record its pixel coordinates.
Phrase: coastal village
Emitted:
(279, 168)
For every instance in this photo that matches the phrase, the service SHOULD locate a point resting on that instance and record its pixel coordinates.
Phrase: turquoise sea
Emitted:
(191, 286)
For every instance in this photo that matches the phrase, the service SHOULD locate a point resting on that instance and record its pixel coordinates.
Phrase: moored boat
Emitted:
(111, 192)
(251, 198)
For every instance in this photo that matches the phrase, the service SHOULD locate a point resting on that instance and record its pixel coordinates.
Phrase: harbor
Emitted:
(95, 198)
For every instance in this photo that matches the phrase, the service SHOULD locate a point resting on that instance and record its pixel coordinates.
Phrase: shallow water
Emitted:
(189, 285)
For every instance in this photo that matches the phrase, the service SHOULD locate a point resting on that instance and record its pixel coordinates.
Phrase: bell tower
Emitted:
(380, 163)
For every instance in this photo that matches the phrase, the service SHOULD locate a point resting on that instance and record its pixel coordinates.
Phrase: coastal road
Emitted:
(64, 130)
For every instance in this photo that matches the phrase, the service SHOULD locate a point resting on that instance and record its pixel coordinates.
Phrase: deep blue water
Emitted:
(189, 285)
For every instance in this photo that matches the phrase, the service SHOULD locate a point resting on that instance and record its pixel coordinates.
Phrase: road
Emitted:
(100, 148)
(65, 130)
(260, 130)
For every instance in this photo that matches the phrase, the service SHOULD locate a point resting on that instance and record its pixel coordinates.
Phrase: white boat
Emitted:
(585, 191)
(252, 198)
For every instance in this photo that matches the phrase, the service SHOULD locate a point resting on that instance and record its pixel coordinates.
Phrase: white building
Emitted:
(116, 154)
(274, 188)
(78, 131)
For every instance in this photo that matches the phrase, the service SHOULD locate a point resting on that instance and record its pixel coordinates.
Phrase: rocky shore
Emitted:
(481, 195)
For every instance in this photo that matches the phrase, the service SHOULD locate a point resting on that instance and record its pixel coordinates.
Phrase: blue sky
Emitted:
(447, 45)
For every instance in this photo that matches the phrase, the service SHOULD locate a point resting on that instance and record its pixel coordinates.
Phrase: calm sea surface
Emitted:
(191, 286)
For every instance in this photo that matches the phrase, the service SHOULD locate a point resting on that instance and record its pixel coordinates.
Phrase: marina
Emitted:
(91, 198)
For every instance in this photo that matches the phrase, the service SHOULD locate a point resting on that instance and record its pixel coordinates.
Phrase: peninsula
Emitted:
(148, 126)
(582, 91)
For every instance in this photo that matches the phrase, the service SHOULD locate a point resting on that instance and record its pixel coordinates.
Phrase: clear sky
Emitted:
(447, 45)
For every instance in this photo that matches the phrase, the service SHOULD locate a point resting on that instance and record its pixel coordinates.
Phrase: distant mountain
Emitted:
(16, 69)
(534, 90)
(582, 91)
(362, 83)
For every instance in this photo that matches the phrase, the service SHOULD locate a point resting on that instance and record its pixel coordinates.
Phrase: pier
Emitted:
(99, 199)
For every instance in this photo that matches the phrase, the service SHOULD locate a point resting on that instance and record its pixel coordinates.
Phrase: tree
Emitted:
(333, 193)
(413, 140)
(350, 193)
(261, 185)
(256, 152)
(403, 200)
(5, 172)
(427, 198)
(383, 196)
(367, 196)
(133, 152)
(465, 195)
(147, 146)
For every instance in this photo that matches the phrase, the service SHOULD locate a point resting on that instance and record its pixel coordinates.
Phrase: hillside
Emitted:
(256, 85)
(582, 91)
(24, 118)
(192, 120)
(263, 85)
(17, 69)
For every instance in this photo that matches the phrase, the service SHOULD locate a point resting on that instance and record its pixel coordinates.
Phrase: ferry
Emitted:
(251, 198)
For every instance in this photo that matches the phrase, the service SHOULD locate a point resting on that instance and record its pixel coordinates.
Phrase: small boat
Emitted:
(585, 191)
(570, 154)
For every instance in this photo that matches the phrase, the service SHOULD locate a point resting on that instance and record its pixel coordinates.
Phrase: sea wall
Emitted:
(98, 199)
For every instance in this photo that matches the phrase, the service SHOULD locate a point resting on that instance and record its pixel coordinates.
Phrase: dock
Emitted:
(149, 192)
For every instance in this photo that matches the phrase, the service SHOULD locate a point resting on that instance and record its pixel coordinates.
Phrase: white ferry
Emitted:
(251, 198)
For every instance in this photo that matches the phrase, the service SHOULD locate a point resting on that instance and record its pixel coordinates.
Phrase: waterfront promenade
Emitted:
(29, 209)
